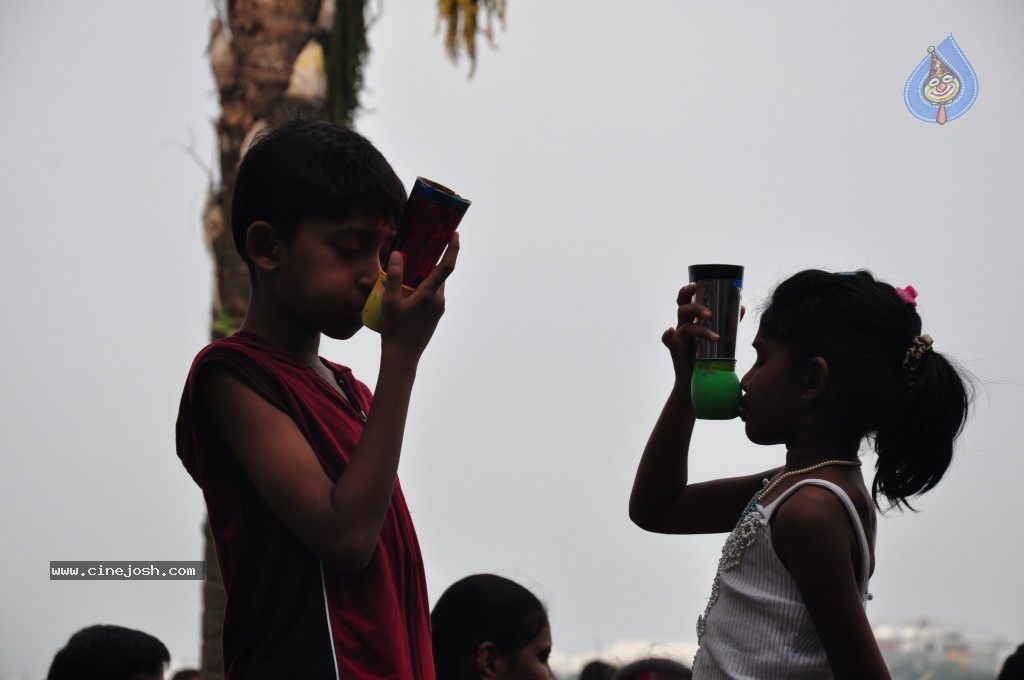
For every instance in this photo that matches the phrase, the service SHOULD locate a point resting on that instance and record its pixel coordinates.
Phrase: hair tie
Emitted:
(918, 347)
(908, 295)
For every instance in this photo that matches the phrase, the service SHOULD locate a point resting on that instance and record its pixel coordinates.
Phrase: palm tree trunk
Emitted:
(266, 55)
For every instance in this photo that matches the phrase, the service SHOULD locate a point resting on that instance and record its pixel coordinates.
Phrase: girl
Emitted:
(840, 358)
(486, 626)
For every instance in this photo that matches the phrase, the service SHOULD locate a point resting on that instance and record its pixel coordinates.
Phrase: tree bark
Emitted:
(253, 60)
(268, 56)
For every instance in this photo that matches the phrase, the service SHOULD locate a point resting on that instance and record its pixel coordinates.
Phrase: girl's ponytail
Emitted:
(914, 440)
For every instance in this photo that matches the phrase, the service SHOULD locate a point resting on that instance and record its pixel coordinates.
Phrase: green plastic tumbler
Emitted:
(715, 387)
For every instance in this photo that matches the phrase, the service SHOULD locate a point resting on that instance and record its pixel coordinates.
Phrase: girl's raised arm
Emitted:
(662, 500)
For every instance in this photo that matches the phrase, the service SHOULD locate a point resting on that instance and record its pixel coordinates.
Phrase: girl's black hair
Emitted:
(304, 168)
(911, 411)
(482, 608)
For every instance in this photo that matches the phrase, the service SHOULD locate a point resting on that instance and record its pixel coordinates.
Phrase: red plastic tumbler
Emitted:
(431, 215)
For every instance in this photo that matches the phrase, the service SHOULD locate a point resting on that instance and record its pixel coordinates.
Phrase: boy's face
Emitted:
(325, 275)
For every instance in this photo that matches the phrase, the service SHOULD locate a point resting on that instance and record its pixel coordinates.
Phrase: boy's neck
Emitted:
(283, 333)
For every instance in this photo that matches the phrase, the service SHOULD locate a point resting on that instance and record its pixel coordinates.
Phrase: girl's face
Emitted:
(770, 405)
(532, 662)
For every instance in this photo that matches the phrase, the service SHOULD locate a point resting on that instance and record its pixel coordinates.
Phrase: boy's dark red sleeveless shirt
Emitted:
(289, 616)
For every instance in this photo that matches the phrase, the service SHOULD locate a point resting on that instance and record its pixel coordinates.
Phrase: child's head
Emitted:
(655, 668)
(889, 384)
(109, 653)
(484, 618)
(307, 169)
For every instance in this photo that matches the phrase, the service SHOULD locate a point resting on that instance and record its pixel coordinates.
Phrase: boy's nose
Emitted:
(368, 275)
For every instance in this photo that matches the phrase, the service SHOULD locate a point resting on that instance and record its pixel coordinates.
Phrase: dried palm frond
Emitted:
(462, 25)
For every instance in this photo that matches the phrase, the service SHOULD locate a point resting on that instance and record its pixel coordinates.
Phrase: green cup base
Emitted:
(715, 389)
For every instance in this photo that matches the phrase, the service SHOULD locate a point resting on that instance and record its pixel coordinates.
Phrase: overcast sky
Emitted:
(605, 146)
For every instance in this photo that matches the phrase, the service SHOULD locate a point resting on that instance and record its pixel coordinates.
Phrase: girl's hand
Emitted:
(408, 320)
(680, 339)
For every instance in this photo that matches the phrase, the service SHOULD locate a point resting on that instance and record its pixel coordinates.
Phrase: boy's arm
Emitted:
(662, 500)
(340, 522)
(813, 537)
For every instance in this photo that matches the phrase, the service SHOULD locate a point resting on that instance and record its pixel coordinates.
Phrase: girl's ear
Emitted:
(815, 380)
(488, 663)
(261, 245)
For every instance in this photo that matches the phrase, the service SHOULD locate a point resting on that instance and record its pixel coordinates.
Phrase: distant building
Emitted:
(924, 645)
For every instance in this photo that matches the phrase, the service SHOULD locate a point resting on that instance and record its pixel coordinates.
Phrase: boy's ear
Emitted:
(488, 663)
(816, 377)
(261, 245)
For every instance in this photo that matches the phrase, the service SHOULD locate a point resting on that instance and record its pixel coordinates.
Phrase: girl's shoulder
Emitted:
(832, 498)
(809, 504)
(814, 502)
(825, 519)
(816, 490)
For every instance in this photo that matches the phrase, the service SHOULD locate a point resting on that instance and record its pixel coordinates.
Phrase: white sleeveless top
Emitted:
(756, 624)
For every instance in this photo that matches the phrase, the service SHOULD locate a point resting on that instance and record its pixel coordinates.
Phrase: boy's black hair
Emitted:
(482, 608)
(105, 652)
(304, 169)
(863, 329)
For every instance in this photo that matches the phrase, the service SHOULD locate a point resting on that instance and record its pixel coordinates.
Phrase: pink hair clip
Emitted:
(908, 295)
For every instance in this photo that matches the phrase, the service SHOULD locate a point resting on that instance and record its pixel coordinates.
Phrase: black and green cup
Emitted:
(715, 387)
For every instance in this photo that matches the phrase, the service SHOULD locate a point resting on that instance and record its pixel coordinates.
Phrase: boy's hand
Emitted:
(408, 320)
(679, 340)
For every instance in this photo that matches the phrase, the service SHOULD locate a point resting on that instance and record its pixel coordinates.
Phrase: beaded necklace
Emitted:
(779, 477)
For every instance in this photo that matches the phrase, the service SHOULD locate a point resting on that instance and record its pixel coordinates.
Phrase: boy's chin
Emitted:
(342, 333)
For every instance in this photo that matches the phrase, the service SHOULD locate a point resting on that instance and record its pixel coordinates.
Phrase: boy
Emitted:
(320, 560)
